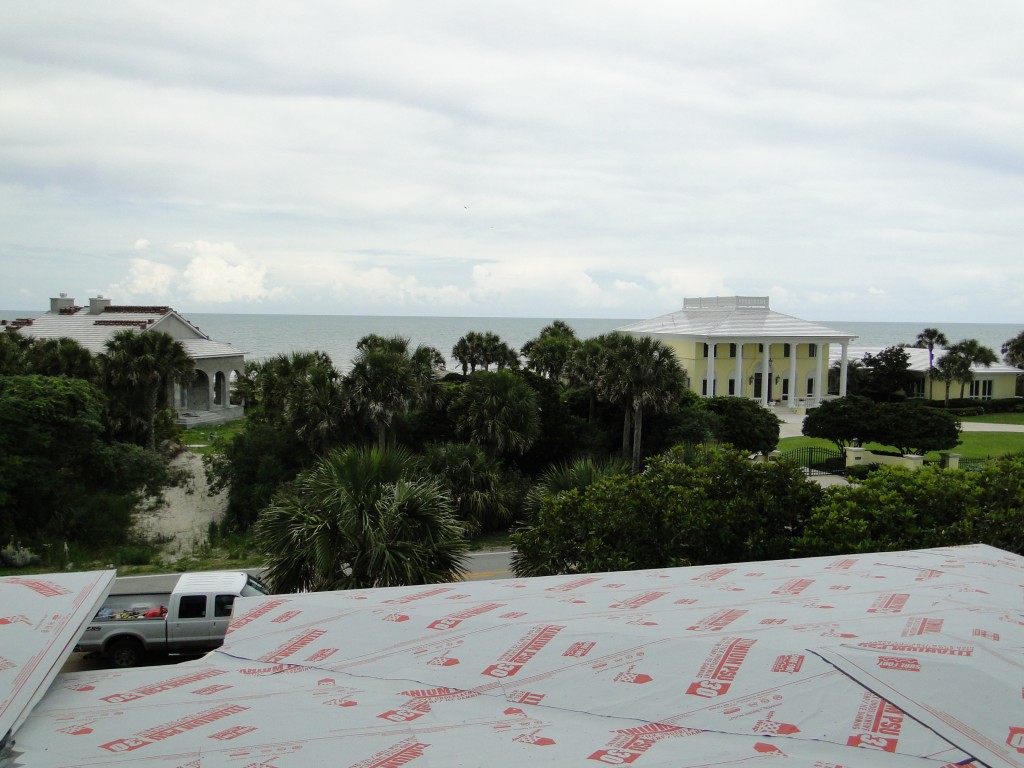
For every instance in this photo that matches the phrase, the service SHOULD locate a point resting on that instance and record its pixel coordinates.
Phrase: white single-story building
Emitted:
(207, 400)
(992, 382)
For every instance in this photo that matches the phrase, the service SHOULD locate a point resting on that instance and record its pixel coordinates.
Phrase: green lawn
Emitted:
(200, 439)
(972, 444)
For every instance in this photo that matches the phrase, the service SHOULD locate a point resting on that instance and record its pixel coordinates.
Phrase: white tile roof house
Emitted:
(205, 401)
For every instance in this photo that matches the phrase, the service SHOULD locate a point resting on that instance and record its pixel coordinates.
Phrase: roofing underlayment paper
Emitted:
(41, 618)
(898, 659)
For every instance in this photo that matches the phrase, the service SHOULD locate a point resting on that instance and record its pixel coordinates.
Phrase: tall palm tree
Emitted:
(952, 367)
(360, 518)
(498, 411)
(974, 353)
(382, 384)
(386, 379)
(586, 366)
(315, 408)
(137, 370)
(928, 339)
(549, 353)
(643, 374)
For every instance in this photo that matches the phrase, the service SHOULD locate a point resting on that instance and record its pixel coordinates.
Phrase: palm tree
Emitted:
(468, 352)
(975, 353)
(475, 482)
(386, 379)
(498, 411)
(643, 373)
(928, 339)
(549, 353)
(586, 366)
(315, 408)
(382, 384)
(575, 475)
(1013, 351)
(361, 518)
(61, 357)
(137, 370)
(953, 367)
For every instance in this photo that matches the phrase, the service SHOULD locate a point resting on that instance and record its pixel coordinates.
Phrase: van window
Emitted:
(192, 607)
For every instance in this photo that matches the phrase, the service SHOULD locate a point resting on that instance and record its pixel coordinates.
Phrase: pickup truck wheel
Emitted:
(125, 652)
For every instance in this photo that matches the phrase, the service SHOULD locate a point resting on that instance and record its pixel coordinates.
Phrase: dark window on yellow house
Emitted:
(785, 350)
(705, 350)
(812, 350)
(732, 353)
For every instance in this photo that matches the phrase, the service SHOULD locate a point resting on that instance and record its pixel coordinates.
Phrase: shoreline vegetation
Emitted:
(480, 451)
(208, 548)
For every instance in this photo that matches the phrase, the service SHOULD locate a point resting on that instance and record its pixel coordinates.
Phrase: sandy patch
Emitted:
(187, 511)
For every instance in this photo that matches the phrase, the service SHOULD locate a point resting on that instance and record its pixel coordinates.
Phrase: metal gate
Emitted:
(818, 461)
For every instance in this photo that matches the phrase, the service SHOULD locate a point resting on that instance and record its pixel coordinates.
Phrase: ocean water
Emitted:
(263, 336)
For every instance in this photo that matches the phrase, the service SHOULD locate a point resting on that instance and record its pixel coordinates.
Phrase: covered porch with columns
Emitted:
(772, 370)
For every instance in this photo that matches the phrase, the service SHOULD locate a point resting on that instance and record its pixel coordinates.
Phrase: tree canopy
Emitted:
(1013, 351)
(689, 507)
(362, 517)
(910, 427)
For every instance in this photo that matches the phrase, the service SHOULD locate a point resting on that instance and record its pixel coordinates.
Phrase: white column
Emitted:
(765, 372)
(843, 362)
(792, 372)
(711, 369)
(738, 371)
(819, 371)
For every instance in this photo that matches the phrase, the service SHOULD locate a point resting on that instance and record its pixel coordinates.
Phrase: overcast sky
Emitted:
(860, 161)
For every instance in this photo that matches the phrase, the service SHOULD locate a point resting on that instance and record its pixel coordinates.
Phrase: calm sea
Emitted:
(262, 336)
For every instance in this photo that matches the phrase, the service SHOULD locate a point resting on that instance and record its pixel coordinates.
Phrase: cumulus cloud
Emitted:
(221, 273)
(141, 244)
(146, 278)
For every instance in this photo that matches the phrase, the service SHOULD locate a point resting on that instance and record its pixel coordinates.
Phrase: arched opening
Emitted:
(234, 398)
(219, 385)
(198, 397)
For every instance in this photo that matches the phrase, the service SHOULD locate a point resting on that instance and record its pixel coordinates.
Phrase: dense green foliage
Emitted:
(712, 506)
(909, 427)
(744, 424)
(60, 479)
(689, 507)
(361, 517)
(888, 374)
(1013, 351)
(894, 509)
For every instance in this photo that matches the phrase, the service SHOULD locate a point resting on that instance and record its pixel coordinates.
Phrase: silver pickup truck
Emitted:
(192, 618)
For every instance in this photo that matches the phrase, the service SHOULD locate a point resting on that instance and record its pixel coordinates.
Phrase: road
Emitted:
(482, 566)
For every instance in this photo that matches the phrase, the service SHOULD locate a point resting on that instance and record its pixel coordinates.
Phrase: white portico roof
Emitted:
(733, 317)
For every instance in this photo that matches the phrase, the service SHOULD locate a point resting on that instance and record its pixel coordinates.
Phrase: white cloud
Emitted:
(534, 159)
(221, 273)
(146, 278)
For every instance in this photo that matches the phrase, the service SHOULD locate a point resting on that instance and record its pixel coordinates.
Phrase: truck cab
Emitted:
(193, 618)
(200, 609)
